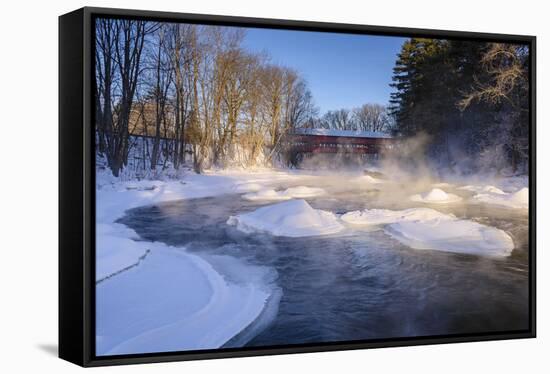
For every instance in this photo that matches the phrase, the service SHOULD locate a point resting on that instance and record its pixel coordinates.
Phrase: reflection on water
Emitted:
(360, 284)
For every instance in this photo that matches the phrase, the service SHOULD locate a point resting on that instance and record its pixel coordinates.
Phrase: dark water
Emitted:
(360, 284)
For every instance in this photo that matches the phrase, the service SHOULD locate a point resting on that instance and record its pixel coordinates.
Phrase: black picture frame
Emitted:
(77, 187)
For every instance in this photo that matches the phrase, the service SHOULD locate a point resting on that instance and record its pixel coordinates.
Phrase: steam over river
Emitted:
(361, 283)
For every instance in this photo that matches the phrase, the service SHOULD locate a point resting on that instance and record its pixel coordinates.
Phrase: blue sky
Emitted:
(342, 70)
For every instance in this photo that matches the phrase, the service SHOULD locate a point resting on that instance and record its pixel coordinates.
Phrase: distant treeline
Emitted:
(469, 99)
(367, 117)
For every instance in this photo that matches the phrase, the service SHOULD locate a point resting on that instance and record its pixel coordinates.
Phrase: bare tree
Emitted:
(338, 119)
(162, 75)
(506, 72)
(129, 39)
(300, 108)
(504, 85)
(256, 124)
(370, 117)
(106, 29)
(178, 47)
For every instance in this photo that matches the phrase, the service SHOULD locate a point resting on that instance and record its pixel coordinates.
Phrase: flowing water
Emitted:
(360, 284)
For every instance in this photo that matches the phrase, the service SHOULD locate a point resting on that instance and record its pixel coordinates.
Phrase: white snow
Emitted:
(367, 179)
(293, 218)
(436, 196)
(516, 200)
(267, 194)
(423, 228)
(289, 193)
(304, 192)
(115, 249)
(248, 187)
(483, 189)
(151, 297)
(174, 301)
(374, 217)
(452, 235)
(114, 197)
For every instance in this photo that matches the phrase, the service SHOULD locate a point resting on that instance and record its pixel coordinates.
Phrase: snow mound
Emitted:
(436, 196)
(143, 185)
(367, 179)
(424, 228)
(268, 194)
(289, 193)
(293, 218)
(385, 216)
(303, 192)
(370, 179)
(248, 187)
(521, 197)
(483, 189)
(452, 235)
(517, 200)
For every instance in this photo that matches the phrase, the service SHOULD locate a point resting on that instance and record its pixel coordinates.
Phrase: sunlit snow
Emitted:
(423, 228)
(293, 218)
(436, 196)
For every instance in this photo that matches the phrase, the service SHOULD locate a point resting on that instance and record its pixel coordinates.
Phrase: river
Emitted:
(360, 284)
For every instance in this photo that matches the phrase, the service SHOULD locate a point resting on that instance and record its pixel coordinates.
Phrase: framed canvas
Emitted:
(235, 186)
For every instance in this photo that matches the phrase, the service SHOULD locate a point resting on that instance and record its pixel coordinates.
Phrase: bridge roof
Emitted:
(343, 133)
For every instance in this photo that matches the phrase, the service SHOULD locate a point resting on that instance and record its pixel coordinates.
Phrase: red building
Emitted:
(303, 141)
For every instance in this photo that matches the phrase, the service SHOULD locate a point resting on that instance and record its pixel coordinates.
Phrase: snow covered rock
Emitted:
(373, 217)
(366, 180)
(436, 196)
(293, 218)
(301, 192)
(248, 187)
(268, 194)
(483, 189)
(452, 235)
(289, 193)
(424, 228)
(517, 200)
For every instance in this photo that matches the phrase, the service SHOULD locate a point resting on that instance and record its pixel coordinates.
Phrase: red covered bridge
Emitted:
(339, 141)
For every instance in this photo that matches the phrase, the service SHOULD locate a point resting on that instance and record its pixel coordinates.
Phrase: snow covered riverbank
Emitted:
(152, 297)
(174, 301)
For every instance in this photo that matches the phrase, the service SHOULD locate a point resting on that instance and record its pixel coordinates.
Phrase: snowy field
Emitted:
(153, 297)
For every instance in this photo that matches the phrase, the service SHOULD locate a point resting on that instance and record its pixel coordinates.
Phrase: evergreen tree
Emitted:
(470, 98)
